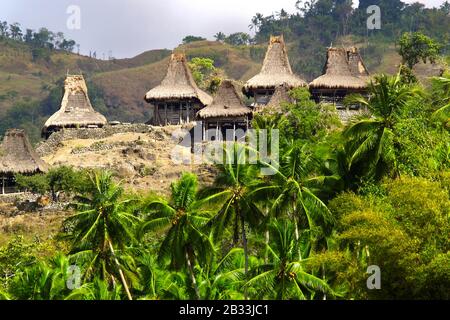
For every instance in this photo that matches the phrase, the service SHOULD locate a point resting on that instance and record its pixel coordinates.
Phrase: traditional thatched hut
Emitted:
(275, 71)
(280, 96)
(76, 110)
(226, 112)
(337, 80)
(17, 156)
(177, 99)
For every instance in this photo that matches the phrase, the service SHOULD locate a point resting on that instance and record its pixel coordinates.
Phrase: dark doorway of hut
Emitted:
(8, 184)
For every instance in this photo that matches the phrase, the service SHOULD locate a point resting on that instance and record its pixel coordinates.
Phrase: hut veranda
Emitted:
(17, 156)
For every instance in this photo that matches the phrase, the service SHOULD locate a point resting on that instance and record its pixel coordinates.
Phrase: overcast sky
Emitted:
(129, 27)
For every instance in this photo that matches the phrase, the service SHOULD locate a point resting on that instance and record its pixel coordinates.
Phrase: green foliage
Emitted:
(67, 180)
(15, 256)
(189, 39)
(403, 232)
(37, 183)
(59, 179)
(418, 47)
(205, 74)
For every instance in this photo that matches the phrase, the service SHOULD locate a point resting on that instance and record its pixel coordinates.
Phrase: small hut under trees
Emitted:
(17, 157)
(276, 70)
(279, 97)
(76, 110)
(337, 80)
(226, 112)
(177, 99)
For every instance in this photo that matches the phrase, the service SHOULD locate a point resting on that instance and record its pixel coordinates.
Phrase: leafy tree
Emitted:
(65, 179)
(238, 39)
(189, 39)
(418, 47)
(220, 36)
(4, 29)
(35, 183)
(205, 74)
(15, 31)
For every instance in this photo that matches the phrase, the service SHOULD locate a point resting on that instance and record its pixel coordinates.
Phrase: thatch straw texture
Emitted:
(76, 109)
(281, 95)
(276, 69)
(226, 104)
(337, 73)
(178, 84)
(356, 64)
(17, 154)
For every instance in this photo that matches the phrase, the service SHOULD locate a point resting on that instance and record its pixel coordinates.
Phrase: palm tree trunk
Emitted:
(122, 277)
(267, 240)
(191, 273)
(297, 236)
(245, 244)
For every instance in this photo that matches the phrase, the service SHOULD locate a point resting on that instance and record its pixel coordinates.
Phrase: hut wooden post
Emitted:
(165, 114)
(204, 130)
(217, 130)
(3, 184)
(187, 112)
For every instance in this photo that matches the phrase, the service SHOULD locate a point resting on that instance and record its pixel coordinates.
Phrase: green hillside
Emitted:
(31, 87)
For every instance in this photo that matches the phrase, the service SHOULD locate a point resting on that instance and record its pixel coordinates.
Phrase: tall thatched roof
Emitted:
(226, 104)
(178, 84)
(276, 69)
(337, 74)
(281, 95)
(76, 108)
(17, 154)
(356, 64)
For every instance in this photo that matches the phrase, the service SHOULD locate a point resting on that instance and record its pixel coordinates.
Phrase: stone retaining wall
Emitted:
(54, 141)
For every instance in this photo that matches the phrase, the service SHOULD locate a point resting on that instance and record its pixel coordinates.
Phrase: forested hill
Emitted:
(33, 64)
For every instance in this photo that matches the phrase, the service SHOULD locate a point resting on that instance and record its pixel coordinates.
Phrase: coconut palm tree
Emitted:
(370, 141)
(235, 192)
(285, 277)
(220, 36)
(256, 22)
(293, 193)
(101, 225)
(184, 241)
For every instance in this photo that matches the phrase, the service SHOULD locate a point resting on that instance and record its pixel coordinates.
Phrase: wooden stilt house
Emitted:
(337, 80)
(225, 115)
(177, 99)
(276, 70)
